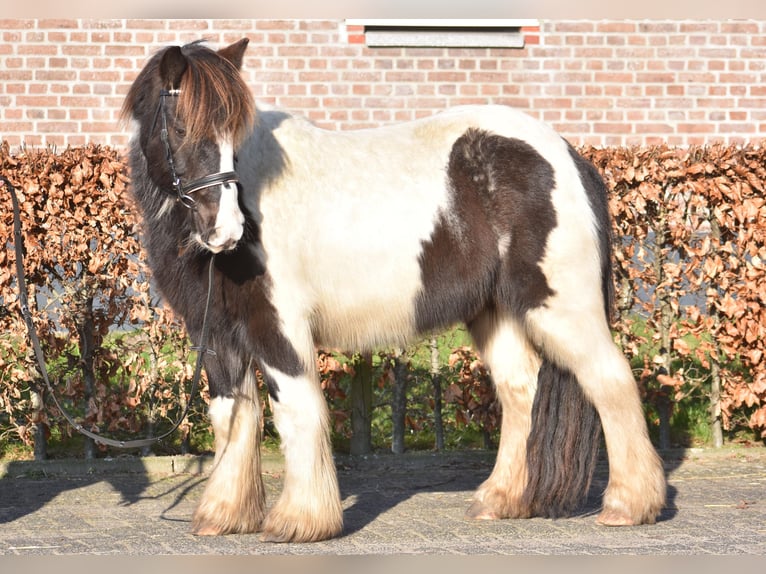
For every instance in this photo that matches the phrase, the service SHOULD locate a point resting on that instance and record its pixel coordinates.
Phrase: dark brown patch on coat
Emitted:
(501, 188)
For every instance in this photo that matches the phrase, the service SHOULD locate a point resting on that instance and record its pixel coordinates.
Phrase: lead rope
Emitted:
(24, 302)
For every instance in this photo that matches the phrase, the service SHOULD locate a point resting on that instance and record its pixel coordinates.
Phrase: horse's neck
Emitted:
(262, 159)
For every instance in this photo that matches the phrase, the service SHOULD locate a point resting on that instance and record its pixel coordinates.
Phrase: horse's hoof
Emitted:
(281, 537)
(206, 531)
(611, 517)
(479, 511)
(277, 528)
(273, 537)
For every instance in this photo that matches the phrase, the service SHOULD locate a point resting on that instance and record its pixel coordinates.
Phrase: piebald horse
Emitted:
(479, 215)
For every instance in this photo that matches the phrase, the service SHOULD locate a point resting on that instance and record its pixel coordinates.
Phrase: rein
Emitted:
(24, 303)
(184, 193)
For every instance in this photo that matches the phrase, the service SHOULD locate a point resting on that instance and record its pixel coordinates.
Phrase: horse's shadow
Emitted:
(370, 485)
(374, 484)
(27, 487)
(378, 483)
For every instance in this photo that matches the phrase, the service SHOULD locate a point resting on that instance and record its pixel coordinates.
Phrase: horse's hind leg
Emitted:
(234, 498)
(578, 338)
(513, 365)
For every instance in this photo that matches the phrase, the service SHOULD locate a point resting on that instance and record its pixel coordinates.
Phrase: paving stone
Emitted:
(410, 504)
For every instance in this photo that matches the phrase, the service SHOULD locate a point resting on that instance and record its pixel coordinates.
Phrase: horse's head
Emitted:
(193, 109)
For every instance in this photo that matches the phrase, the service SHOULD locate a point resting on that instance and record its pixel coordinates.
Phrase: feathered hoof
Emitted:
(635, 503)
(622, 515)
(495, 504)
(220, 523)
(279, 528)
(610, 517)
(208, 530)
(480, 511)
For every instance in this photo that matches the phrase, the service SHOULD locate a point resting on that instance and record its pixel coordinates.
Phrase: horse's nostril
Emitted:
(217, 243)
(229, 245)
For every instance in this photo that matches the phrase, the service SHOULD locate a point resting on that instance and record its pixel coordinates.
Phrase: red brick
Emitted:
(613, 128)
(37, 101)
(146, 24)
(296, 51)
(266, 24)
(98, 127)
(405, 77)
(454, 76)
(742, 79)
(613, 78)
(317, 76)
(55, 75)
(189, 24)
(616, 27)
(81, 50)
(706, 27)
(58, 127)
(17, 127)
(36, 50)
(544, 103)
(122, 50)
(655, 78)
(60, 23)
(16, 24)
(570, 27)
(739, 28)
(657, 27)
(644, 128)
(531, 39)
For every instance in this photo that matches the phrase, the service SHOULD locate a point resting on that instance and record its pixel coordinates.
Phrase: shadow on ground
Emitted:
(375, 483)
(27, 486)
(379, 483)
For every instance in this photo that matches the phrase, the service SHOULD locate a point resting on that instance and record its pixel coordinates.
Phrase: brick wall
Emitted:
(602, 82)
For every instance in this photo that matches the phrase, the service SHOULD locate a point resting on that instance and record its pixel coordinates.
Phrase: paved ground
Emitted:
(412, 504)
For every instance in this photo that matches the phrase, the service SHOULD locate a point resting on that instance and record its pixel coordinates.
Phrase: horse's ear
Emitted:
(236, 52)
(172, 67)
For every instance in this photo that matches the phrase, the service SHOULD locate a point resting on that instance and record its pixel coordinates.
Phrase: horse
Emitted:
(477, 215)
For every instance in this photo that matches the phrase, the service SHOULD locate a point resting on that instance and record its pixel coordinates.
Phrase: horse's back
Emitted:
(348, 215)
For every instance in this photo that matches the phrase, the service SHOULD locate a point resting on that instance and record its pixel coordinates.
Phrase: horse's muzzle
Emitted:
(219, 240)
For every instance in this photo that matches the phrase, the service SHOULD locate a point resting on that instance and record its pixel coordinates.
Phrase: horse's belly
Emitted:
(363, 307)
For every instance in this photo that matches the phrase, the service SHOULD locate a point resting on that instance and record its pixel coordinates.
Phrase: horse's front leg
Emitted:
(234, 499)
(309, 508)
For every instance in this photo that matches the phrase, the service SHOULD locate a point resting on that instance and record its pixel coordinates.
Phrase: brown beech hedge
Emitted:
(690, 230)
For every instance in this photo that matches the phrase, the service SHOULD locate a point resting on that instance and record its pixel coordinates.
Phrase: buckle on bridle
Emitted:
(187, 201)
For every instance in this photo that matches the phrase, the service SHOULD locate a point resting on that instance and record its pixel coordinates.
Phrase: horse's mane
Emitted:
(214, 100)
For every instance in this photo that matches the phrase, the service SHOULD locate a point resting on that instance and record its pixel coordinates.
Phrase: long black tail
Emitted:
(563, 444)
(562, 447)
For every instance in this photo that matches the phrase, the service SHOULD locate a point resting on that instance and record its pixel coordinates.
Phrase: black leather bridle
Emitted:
(184, 192)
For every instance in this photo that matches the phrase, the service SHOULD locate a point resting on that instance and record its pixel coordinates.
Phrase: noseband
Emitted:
(184, 192)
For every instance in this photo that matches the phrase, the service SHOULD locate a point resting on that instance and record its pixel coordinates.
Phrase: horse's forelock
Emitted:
(214, 100)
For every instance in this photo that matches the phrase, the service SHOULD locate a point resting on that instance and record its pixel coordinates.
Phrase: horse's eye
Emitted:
(181, 132)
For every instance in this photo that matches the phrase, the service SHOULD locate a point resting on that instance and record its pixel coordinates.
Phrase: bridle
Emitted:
(202, 349)
(184, 192)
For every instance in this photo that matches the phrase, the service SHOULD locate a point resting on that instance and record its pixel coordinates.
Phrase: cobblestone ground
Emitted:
(412, 504)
